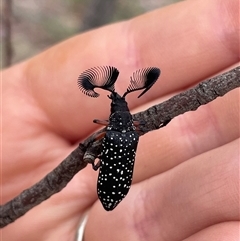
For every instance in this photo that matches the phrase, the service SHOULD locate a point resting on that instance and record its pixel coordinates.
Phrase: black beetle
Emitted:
(120, 141)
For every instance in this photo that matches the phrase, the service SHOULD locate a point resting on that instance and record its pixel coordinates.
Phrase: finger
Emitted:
(59, 216)
(220, 232)
(169, 38)
(177, 204)
(187, 136)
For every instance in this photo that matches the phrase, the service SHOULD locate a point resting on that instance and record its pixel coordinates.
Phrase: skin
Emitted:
(186, 177)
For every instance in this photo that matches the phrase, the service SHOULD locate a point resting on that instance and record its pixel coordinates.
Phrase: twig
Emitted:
(155, 117)
(189, 100)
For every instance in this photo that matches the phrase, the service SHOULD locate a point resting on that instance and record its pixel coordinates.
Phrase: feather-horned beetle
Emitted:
(119, 145)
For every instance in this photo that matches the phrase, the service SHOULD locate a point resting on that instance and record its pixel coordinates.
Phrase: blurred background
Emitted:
(30, 26)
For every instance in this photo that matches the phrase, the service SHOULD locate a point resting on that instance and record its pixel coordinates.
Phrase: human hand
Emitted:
(186, 174)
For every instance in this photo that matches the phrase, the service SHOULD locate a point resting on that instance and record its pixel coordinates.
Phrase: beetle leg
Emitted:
(165, 123)
(97, 138)
(96, 166)
(92, 151)
(100, 136)
(101, 122)
(138, 123)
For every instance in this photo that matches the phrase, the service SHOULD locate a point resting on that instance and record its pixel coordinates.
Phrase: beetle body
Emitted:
(120, 141)
(117, 156)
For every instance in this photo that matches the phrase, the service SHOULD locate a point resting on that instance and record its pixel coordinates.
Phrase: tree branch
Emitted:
(155, 117)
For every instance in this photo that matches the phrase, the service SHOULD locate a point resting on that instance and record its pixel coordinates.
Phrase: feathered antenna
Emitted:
(143, 79)
(103, 77)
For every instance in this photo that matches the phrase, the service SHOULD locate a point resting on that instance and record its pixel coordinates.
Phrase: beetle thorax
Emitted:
(121, 122)
(120, 118)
